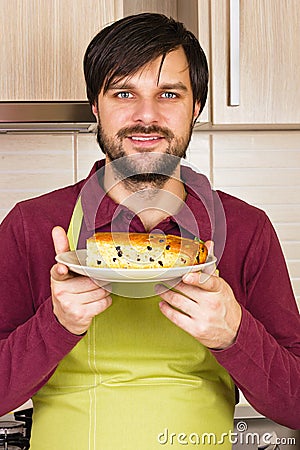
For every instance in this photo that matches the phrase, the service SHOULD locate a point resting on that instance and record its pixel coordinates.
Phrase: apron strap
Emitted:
(75, 225)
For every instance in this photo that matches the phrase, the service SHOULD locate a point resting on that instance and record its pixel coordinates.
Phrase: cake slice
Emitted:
(143, 251)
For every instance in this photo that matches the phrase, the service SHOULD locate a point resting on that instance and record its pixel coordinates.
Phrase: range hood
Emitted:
(40, 116)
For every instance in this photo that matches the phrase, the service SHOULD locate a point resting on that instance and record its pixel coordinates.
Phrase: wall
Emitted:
(260, 167)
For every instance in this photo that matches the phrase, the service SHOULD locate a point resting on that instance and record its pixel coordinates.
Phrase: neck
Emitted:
(151, 204)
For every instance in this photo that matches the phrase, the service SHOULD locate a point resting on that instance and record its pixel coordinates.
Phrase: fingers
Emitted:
(204, 306)
(205, 281)
(210, 247)
(76, 300)
(60, 240)
(177, 299)
(183, 321)
(70, 296)
(60, 272)
(75, 284)
(76, 314)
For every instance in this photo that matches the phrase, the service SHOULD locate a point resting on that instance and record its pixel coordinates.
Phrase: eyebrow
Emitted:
(179, 86)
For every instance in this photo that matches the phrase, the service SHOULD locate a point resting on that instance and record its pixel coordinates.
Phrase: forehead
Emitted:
(171, 68)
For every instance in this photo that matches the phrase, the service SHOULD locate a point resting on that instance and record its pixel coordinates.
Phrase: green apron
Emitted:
(134, 382)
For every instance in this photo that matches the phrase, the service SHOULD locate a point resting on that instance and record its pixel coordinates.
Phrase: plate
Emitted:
(76, 261)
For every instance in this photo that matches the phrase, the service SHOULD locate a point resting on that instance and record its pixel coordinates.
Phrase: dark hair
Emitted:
(121, 49)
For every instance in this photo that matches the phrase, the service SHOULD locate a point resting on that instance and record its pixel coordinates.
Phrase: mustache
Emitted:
(162, 131)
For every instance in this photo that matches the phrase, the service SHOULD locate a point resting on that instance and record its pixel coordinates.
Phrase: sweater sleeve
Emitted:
(32, 342)
(264, 361)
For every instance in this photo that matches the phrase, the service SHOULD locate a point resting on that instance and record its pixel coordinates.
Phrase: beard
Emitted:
(144, 169)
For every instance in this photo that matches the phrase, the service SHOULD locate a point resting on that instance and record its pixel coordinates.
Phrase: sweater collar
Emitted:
(196, 216)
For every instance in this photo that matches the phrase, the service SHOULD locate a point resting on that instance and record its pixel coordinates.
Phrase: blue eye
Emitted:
(169, 95)
(124, 94)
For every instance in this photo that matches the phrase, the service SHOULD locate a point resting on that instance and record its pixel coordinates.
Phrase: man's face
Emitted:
(148, 115)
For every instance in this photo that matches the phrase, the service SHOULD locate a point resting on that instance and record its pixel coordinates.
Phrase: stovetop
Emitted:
(15, 430)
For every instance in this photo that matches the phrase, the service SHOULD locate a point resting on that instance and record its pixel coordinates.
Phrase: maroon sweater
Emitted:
(264, 362)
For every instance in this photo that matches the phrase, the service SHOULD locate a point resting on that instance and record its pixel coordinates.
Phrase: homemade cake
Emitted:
(143, 251)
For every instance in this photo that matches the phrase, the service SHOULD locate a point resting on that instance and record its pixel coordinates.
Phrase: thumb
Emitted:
(60, 240)
(210, 247)
(59, 271)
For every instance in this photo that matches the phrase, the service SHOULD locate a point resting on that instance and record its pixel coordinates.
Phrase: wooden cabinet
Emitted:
(43, 43)
(269, 69)
(268, 72)
(42, 46)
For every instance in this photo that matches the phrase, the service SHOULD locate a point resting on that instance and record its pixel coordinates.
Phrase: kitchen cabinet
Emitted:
(168, 7)
(269, 67)
(43, 43)
(42, 46)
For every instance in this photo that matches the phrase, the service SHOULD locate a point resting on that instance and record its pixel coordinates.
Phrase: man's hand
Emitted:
(76, 299)
(204, 306)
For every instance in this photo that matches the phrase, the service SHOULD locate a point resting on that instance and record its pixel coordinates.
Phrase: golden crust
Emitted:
(143, 250)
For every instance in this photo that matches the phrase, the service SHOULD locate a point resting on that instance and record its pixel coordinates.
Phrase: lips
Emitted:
(145, 138)
(140, 134)
(145, 141)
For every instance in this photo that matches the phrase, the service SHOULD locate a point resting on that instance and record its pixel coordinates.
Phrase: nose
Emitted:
(146, 111)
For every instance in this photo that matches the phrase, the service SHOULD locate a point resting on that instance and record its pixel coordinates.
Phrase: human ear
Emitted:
(95, 110)
(196, 111)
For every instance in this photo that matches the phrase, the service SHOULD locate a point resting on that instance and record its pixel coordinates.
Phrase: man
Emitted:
(108, 371)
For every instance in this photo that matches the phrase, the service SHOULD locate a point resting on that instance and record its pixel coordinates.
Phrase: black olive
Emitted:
(120, 253)
(160, 263)
(149, 248)
(168, 247)
(98, 262)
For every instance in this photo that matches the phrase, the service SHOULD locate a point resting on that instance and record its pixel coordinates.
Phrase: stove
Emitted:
(13, 435)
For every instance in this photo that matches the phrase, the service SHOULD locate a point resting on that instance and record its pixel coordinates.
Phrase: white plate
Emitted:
(76, 261)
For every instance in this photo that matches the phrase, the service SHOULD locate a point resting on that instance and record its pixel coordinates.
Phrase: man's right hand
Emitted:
(76, 299)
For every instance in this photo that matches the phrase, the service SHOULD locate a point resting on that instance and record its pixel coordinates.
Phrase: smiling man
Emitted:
(115, 372)
(154, 112)
(154, 109)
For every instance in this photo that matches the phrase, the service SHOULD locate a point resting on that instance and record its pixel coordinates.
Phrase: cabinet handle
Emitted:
(234, 72)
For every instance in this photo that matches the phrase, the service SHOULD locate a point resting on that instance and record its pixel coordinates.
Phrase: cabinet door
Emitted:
(269, 70)
(43, 43)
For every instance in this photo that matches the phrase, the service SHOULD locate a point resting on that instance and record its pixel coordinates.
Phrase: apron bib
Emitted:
(134, 382)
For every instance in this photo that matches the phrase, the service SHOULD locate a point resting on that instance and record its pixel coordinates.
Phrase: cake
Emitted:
(143, 251)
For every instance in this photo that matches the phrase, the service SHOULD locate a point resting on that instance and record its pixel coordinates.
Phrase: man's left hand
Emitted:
(205, 307)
